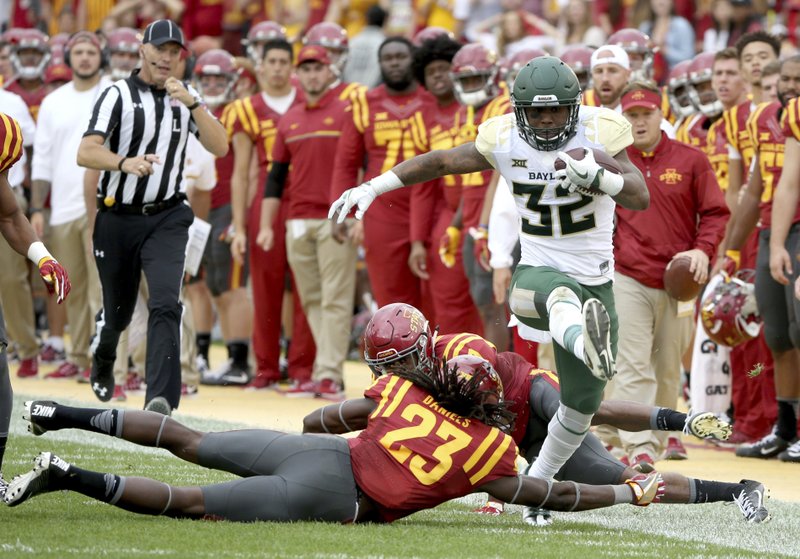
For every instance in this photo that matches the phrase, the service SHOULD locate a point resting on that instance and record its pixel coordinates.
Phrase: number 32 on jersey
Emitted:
(558, 218)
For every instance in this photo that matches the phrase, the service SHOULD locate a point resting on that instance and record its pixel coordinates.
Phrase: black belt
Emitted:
(145, 209)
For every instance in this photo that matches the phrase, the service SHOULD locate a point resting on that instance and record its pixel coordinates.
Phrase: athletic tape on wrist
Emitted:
(623, 494)
(611, 183)
(386, 182)
(37, 251)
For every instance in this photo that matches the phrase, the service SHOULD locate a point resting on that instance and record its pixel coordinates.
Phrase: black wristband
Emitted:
(193, 106)
(121, 161)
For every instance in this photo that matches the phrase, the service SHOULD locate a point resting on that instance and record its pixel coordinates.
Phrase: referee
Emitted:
(137, 136)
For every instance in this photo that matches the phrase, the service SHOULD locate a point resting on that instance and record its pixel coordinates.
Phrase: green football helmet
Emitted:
(546, 82)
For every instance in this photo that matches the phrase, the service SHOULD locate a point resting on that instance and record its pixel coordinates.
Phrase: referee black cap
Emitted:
(163, 31)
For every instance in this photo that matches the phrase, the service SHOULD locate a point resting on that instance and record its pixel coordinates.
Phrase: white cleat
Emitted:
(707, 425)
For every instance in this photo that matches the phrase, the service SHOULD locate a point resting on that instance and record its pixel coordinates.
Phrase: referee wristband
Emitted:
(121, 161)
(193, 106)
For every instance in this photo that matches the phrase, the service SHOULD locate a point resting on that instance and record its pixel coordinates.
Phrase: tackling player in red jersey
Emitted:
(398, 337)
(431, 437)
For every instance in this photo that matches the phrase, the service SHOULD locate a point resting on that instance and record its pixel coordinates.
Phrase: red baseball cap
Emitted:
(643, 98)
(313, 53)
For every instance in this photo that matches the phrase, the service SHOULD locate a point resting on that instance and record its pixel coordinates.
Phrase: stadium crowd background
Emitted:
(270, 343)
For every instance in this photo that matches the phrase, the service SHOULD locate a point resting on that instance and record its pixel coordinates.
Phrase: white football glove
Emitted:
(586, 173)
(360, 196)
(363, 195)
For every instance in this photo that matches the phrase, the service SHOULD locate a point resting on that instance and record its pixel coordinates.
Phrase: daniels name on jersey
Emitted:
(570, 232)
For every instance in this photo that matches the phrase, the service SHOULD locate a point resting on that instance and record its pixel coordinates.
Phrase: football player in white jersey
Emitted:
(563, 282)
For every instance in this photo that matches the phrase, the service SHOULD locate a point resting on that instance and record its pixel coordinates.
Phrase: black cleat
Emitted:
(102, 378)
(38, 414)
(751, 501)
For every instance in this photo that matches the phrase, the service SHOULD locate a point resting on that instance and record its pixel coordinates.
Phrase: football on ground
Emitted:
(679, 281)
(602, 158)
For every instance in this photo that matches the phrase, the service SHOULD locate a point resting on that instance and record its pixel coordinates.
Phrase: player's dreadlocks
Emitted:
(459, 394)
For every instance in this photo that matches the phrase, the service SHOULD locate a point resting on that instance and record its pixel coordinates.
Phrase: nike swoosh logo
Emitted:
(768, 450)
(760, 498)
(580, 175)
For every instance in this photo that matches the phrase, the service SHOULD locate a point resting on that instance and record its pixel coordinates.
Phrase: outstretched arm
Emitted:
(570, 496)
(345, 417)
(428, 166)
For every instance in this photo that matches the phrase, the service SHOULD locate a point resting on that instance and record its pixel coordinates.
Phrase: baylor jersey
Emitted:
(570, 232)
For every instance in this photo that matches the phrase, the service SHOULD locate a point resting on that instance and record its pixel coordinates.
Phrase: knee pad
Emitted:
(563, 294)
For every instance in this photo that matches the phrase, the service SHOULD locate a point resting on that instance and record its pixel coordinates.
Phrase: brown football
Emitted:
(602, 158)
(679, 281)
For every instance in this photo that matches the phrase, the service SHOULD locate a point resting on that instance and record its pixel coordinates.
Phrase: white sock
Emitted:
(566, 320)
(565, 433)
(56, 342)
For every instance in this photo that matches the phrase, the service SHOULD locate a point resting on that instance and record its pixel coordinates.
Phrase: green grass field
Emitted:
(70, 525)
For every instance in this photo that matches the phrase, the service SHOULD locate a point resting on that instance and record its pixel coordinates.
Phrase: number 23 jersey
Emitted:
(570, 232)
(414, 454)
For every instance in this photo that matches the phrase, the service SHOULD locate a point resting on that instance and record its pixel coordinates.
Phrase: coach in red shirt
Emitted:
(324, 269)
(686, 218)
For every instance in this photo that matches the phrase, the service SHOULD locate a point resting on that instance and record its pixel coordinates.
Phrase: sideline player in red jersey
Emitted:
(18, 233)
(215, 75)
(474, 74)
(30, 54)
(430, 212)
(751, 397)
(398, 337)
(385, 129)
(256, 125)
(333, 38)
(431, 438)
(773, 298)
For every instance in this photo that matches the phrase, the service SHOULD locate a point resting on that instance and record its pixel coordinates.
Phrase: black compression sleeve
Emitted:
(276, 180)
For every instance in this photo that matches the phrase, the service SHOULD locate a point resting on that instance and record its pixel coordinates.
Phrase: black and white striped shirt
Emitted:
(135, 119)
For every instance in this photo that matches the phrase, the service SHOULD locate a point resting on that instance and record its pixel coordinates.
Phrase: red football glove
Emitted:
(448, 246)
(646, 488)
(55, 278)
(480, 248)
